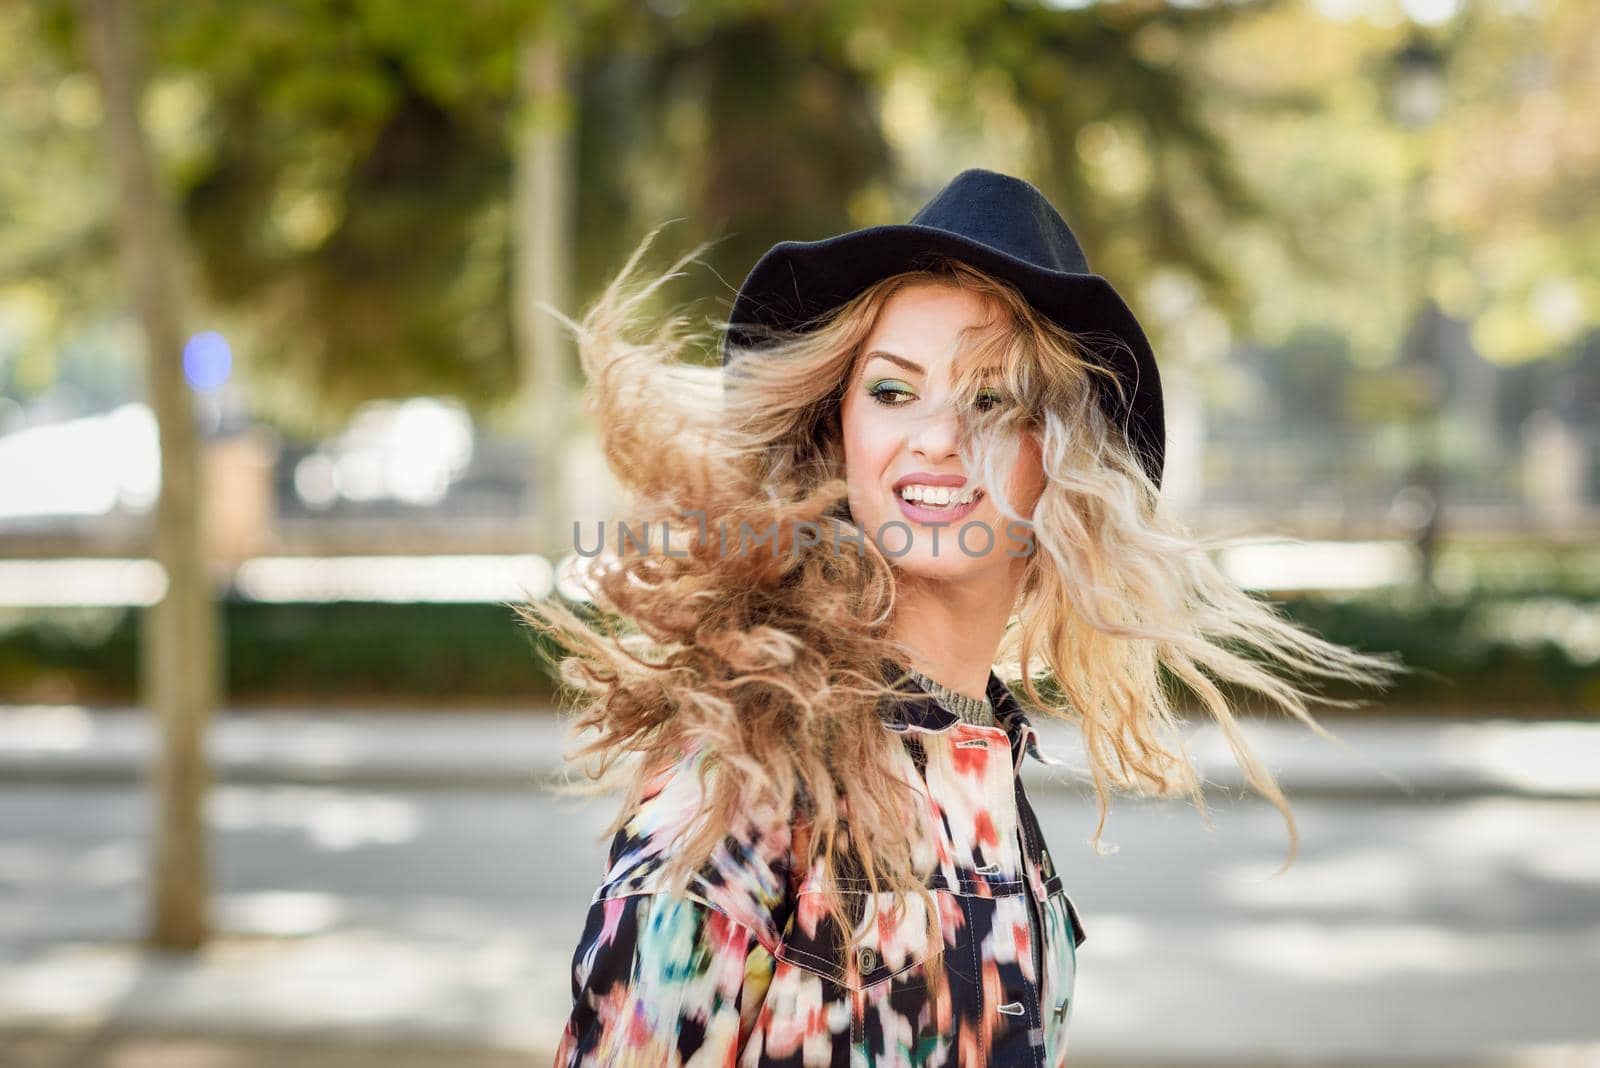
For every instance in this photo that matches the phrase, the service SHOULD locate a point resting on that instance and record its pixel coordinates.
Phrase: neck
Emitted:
(953, 629)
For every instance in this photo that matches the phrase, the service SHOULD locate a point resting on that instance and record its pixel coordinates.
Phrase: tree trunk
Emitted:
(542, 197)
(179, 680)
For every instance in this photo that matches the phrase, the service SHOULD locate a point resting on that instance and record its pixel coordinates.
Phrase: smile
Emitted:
(938, 496)
(936, 504)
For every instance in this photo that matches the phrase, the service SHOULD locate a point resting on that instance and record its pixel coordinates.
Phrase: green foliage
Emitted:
(344, 169)
(429, 654)
(57, 255)
(1113, 89)
(353, 650)
(354, 203)
(1498, 654)
(84, 654)
(1461, 653)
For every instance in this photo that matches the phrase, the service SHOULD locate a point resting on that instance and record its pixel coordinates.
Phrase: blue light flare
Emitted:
(207, 361)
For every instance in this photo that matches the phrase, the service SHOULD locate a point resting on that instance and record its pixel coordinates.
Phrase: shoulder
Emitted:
(747, 875)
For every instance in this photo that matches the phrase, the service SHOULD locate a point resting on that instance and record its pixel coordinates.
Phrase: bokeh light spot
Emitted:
(207, 361)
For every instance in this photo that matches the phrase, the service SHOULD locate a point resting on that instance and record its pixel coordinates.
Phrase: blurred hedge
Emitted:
(339, 652)
(1526, 655)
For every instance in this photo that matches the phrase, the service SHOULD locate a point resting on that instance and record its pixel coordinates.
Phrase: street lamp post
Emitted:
(1417, 98)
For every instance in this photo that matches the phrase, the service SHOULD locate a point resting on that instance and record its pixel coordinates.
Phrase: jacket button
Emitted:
(1061, 1007)
(867, 959)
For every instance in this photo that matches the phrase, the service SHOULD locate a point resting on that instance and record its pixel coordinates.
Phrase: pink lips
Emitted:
(925, 478)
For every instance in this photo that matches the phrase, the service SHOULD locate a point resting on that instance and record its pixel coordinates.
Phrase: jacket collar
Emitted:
(920, 710)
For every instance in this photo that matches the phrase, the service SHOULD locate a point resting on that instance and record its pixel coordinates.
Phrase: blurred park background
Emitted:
(282, 434)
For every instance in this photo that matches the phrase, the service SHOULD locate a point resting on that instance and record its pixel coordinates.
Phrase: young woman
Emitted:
(935, 456)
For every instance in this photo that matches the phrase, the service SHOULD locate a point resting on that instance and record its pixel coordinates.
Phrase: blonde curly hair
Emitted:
(768, 650)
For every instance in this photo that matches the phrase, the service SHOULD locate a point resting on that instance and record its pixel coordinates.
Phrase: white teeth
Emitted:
(937, 496)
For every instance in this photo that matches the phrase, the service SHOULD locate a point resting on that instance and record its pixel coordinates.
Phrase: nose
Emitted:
(937, 435)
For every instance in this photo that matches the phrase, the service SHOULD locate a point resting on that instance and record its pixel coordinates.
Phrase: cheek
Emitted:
(865, 447)
(1027, 476)
(853, 449)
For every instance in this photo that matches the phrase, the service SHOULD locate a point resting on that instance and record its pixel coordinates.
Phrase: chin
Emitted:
(951, 563)
(937, 569)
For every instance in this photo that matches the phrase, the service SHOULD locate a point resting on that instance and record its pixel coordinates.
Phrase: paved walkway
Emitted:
(1391, 758)
(124, 1050)
(253, 1001)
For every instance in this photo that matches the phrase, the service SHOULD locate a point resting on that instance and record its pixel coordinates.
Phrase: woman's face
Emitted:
(907, 489)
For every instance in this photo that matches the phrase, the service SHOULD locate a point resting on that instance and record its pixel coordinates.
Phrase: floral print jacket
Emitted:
(743, 969)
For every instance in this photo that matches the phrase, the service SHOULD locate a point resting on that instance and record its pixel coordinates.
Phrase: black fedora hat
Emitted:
(997, 223)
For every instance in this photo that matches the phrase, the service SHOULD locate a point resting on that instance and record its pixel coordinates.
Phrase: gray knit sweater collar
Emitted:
(979, 710)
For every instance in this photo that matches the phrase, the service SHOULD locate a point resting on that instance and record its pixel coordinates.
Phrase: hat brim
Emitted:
(796, 283)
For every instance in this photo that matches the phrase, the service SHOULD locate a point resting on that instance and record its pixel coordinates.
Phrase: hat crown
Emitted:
(1007, 214)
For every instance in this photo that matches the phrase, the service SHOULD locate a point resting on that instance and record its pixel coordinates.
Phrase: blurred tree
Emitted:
(790, 129)
(1309, 376)
(180, 677)
(355, 198)
(541, 196)
(1114, 97)
(1239, 146)
(57, 244)
(1509, 202)
(1516, 177)
(343, 133)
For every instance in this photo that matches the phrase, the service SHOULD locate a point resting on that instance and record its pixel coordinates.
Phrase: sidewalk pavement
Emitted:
(485, 988)
(125, 1047)
(118, 1049)
(1397, 759)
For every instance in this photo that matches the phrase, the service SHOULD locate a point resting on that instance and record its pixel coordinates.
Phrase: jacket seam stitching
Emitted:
(977, 972)
(967, 887)
(1029, 845)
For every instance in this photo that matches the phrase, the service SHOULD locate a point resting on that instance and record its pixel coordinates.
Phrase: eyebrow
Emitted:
(912, 365)
(909, 365)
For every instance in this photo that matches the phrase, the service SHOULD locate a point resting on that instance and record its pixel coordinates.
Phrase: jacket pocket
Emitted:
(1053, 888)
(890, 944)
(1063, 935)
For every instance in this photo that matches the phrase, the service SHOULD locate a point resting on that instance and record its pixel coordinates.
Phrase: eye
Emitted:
(882, 392)
(989, 399)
